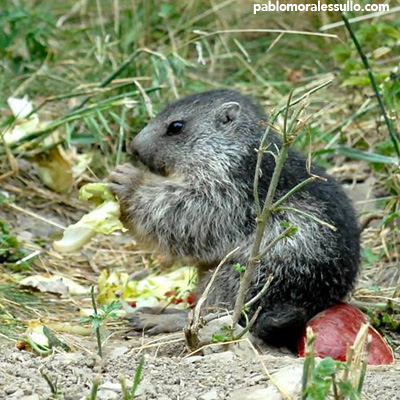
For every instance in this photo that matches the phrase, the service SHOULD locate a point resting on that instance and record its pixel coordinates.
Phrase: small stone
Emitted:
(31, 397)
(113, 386)
(18, 394)
(193, 359)
(10, 389)
(118, 352)
(287, 379)
(211, 395)
(252, 393)
(226, 356)
(107, 395)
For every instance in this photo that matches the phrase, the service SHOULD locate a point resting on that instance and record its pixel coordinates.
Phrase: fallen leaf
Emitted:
(54, 284)
(55, 170)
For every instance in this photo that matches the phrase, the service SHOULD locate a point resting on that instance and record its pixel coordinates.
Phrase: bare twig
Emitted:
(264, 214)
(249, 324)
(260, 152)
(286, 233)
(260, 293)
(308, 215)
(262, 221)
(294, 190)
(193, 324)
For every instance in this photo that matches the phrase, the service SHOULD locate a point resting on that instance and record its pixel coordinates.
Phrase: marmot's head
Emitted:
(206, 132)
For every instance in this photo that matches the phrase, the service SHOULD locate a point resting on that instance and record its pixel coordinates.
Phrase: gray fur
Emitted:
(195, 204)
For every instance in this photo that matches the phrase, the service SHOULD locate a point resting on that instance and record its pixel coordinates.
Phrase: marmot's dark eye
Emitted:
(174, 128)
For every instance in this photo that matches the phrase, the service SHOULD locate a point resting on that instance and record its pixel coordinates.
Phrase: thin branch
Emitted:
(261, 225)
(301, 98)
(308, 215)
(260, 293)
(264, 215)
(286, 233)
(211, 317)
(286, 117)
(294, 190)
(193, 324)
(249, 325)
(260, 153)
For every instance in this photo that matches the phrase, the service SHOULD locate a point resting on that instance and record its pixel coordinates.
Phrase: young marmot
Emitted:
(195, 204)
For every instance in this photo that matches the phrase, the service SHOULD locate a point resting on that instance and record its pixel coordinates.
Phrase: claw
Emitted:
(124, 180)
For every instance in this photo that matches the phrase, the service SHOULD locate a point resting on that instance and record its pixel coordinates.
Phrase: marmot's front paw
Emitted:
(125, 180)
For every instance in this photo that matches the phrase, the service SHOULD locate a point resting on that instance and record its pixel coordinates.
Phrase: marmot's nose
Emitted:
(133, 149)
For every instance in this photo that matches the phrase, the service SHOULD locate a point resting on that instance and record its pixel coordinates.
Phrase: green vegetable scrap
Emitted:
(103, 219)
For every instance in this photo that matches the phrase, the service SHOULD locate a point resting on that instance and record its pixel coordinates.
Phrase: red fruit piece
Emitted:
(337, 328)
(191, 299)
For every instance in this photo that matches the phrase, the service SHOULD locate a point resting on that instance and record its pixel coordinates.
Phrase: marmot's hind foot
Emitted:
(153, 322)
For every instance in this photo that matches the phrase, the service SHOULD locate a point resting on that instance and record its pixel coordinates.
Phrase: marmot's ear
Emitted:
(228, 112)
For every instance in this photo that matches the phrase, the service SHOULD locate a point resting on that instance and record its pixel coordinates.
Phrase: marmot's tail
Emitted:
(281, 326)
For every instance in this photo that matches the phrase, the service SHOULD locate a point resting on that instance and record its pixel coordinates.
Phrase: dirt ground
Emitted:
(169, 373)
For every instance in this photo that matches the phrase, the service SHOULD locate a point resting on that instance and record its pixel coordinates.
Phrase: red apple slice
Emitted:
(337, 328)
